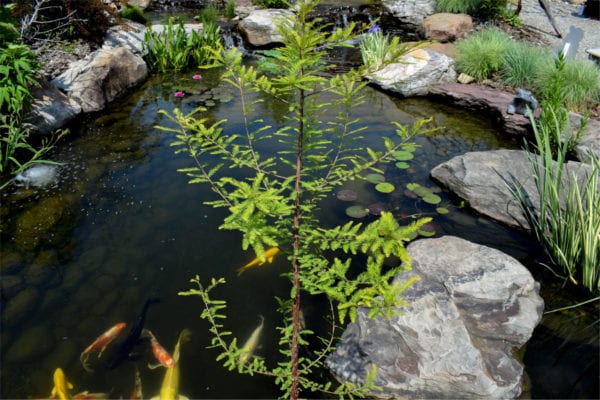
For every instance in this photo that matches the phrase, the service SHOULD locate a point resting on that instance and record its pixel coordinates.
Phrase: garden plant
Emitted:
(277, 205)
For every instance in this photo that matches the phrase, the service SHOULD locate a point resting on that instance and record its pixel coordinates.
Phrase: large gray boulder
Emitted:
(589, 142)
(101, 77)
(454, 340)
(410, 12)
(127, 34)
(51, 109)
(483, 178)
(414, 73)
(260, 27)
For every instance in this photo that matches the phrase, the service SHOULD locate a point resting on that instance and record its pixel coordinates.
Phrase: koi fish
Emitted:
(137, 388)
(163, 357)
(124, 348)
(61, 385)
(170, 386)
(100, 343)
(268, 255)
(251, 344)
(90, 396)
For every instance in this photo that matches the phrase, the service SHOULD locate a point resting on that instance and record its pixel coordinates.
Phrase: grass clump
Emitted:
(230, 9)
(209, 14)
(378, 49)
(481, 54)
(578, 82)
(521, 63)
(133, 13)
(457, 6)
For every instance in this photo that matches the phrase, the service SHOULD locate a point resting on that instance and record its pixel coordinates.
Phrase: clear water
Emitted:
(122, 225)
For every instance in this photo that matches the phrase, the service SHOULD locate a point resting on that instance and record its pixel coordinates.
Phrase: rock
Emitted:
(41, 175)
(41, 269)
(464, 78)
(410, 12)
(128, 34)
(51, 109)
(38, 223)
(446, 27)
(188, 28)
(101, 77)
(455, 338)
(589, 142)
(414, 73)
(142, 4)
(522, 103)
(260, 26)
(484, 100)
(10, 285)
(481, 179)
(33, 343)
(20, 307)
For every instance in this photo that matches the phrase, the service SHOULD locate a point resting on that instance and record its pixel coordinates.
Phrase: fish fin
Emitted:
(270, 260)
(54, 391)
(154, 366)
(69, 385)
(242, 269)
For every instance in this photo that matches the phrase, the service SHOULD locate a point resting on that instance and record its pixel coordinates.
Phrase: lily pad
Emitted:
(384, 187)
(442, 210)
(432, 199)
(403, 155)
(375, 178)
(357, 211)
(347, 195)
(427, 230)
(402, 165)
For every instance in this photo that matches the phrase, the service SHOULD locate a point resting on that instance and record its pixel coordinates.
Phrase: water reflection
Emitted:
(122, 225)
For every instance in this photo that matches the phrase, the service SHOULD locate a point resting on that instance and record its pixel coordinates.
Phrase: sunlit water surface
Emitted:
(122, 225)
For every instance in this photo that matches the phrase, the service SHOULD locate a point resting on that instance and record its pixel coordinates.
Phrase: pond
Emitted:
(122, 225)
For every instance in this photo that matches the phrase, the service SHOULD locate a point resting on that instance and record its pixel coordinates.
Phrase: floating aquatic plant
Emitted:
(179, 94)
(427, 230)
(347, 195)
(384, 187)
(375, 178)
(402, 165)
(424, 192)
(442, 210)
(357, 211)
(402, 155)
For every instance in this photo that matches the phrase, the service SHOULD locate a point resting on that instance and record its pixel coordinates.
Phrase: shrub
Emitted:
(209, 14)
(521, 64)
(578, 82)
(174, 50)
(230, 9)
(457, 6)
(271, 3)
(133, 13)
(480, 55)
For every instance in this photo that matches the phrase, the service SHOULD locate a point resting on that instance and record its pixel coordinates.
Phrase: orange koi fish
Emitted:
(100, 343)
(268, 255)
(163, 357)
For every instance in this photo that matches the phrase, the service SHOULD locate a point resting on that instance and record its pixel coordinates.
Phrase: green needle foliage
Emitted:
(278, 203)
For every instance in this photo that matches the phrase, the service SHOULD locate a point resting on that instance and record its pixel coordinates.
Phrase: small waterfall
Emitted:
(231, 37)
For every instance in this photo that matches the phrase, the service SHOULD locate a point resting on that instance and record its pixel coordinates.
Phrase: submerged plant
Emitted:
(277, 204)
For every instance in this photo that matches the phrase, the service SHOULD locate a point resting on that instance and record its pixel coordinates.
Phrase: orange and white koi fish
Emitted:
(100, 343)
(137, 389)
(163, 357)
(268, 255)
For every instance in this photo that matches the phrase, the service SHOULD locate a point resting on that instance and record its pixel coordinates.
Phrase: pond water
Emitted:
(122, 225)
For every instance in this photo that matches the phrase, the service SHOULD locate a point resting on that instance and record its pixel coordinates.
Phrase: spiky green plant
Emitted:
(566, 220)
(378, 49)
(480, 55)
